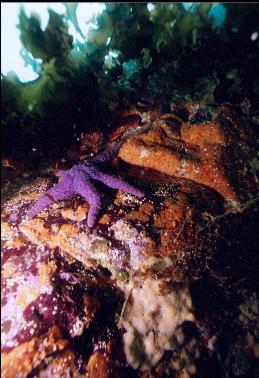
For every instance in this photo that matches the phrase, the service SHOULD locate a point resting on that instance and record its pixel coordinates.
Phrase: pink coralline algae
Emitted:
(79, 180)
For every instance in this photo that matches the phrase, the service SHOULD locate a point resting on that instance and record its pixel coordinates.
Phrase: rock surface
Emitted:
(164, 284)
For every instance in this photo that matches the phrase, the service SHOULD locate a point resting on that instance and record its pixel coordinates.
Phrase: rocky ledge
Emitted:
(163, 285)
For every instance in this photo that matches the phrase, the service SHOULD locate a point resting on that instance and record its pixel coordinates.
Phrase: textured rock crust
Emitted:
(163, 285)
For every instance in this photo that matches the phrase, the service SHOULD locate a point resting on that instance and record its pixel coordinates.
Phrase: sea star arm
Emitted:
(87, 190)
(58, 192)
(116, 183)
(39, 205)
(106, 155)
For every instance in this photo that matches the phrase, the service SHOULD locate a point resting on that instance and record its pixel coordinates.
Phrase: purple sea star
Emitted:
(78, 179)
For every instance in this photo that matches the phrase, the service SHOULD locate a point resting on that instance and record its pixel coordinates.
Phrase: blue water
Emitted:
(218, 11)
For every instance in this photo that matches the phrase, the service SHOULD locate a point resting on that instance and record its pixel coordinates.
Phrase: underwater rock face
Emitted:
(151, 319)
(200, 150)
(132, 232)
(156, 285)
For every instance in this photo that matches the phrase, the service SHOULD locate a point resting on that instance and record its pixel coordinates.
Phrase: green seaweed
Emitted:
(177, 53)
